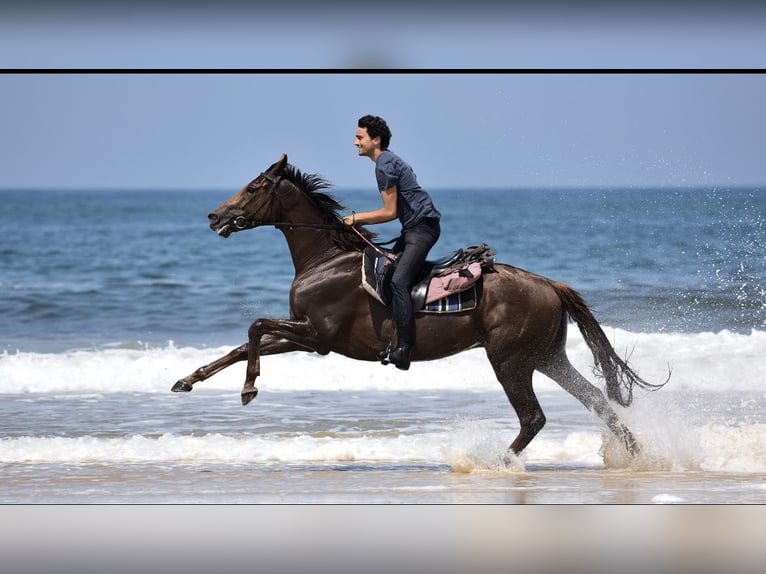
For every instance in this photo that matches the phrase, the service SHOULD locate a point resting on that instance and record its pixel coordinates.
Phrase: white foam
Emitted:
(477, 445)
(699, 361)
(217, 448)
(739, 448)
(469, 446)
(715, 362)
(693, 432)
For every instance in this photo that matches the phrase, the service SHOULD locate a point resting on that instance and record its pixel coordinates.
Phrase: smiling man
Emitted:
(403, 198)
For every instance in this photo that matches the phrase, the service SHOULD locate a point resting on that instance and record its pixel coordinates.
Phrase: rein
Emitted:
(242, 223)
(386, 254)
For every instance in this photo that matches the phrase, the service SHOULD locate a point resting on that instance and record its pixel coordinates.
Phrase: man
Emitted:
(403, 198)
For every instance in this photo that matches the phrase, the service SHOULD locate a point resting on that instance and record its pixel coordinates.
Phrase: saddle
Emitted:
(447, 285)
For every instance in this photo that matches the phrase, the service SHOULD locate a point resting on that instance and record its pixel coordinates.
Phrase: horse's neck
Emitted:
(309, 247)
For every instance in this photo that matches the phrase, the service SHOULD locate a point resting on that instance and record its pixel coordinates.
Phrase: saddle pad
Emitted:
(454, 303)
(452, 282)
(374, 269)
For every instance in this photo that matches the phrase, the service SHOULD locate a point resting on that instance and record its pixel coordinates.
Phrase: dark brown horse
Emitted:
(520, 320)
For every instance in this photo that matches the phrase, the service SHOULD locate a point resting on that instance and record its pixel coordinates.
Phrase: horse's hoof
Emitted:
(181, 387)
(510, 462)
(631, 444)
(248, 396)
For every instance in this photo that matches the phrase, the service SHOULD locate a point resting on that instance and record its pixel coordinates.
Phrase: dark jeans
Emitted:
(413, 247)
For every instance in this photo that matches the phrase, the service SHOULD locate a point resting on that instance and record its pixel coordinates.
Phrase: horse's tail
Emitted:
(619, 376)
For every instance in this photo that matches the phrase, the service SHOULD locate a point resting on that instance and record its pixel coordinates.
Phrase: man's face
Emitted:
(364, 143)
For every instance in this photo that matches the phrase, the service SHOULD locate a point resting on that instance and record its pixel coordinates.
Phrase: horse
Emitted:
(520, 319)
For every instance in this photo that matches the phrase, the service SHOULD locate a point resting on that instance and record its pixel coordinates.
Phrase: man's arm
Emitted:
(382, 215)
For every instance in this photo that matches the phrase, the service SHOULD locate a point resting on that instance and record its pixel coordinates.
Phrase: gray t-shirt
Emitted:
(413, 203)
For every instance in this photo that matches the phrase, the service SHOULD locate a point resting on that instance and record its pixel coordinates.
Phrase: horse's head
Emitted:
(252, 205)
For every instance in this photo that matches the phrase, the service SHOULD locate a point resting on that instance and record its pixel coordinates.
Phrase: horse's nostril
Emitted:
(212, 217)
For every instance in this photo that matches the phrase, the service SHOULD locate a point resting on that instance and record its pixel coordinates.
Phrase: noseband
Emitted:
(243, 222)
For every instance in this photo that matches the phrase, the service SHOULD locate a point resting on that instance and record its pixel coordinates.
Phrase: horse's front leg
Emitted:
(269, 346)
(300, 335)
(205, 372)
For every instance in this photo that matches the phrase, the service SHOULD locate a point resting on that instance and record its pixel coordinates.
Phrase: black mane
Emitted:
(311, 184)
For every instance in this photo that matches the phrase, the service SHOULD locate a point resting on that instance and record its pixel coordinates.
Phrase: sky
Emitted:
(92, 97)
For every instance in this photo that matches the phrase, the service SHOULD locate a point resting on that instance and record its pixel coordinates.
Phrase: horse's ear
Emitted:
(280, 165)
(277, 167)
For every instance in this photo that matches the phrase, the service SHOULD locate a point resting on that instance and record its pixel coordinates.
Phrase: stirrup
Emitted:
(384, 356)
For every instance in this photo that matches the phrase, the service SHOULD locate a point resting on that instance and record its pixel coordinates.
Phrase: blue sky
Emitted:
(497, 129)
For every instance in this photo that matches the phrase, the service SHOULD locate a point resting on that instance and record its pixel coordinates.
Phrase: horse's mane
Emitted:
(311, 184)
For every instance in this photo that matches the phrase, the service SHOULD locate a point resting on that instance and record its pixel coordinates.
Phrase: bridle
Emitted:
(242, 222)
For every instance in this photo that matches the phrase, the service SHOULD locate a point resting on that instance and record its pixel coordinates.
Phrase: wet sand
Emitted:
(369, 483)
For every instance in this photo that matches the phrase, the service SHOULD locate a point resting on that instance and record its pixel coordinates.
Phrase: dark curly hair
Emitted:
(376, 127)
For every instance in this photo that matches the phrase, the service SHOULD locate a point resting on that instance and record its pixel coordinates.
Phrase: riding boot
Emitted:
(401, 356)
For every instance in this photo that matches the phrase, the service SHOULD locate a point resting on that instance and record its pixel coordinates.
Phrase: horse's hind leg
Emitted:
(558, 368)
(516, 379)
(521, 394)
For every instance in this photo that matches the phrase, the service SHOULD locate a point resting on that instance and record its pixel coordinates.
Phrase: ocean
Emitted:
(108, 297)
